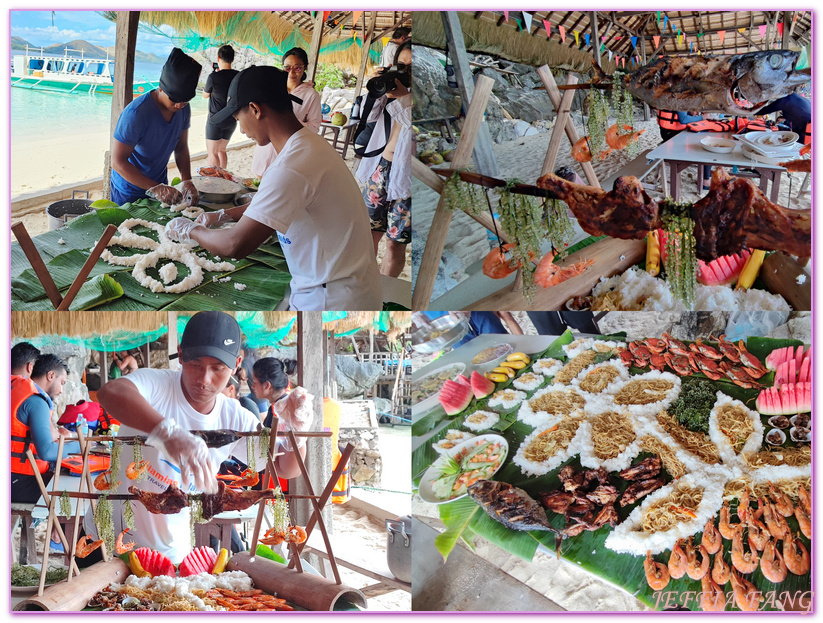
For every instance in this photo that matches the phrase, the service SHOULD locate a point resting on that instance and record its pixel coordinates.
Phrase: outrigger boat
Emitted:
(68, 74)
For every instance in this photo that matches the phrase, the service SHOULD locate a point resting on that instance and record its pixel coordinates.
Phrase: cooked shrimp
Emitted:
(86, 546)
(805, 500)
(759, 535)
(720, 569)
(657, 575)
(120, 547)
(775, 522)
(743, 561)
(549, 274)
(273, 536)
(711, 539)
(677, 561)
(743, 506)
(580, 150)
(248, 478)
(296, 534)
(804, 521)
(799, 564)
(746, 596)
(758, 513)
(697, 560)
(621, 141)
(135, 470)
(772, 564)
(724, 526)
(782, 502)
(103, 482)
(712, 597)
(495, 264)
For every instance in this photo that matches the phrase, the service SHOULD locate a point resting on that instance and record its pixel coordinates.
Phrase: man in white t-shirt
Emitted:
(308, 196)
(398, 38)
(167, 405)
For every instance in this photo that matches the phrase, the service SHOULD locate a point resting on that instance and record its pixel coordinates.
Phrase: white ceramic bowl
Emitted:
(718, 145)
(777, 140)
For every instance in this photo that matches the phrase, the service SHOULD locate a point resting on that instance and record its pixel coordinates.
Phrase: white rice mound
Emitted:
(774, 473)
(627, 537)
(481, 420)
(653, 407)
(617, 365)
(581, 345)
(168, 272)
(547, 367)
(506, 399)
(589, 459)
(753, 443)
(639, 291)
(529, 381)
(540, 418)
(452, 438)
(533, 468)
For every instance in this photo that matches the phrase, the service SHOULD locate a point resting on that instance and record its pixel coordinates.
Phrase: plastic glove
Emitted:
(188, 452)
(295, 412)
(190, 194)
(179, 229)
(211, 219)
(165, 194)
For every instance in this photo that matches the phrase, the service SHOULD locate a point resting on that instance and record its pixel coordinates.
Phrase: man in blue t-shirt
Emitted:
(149, 130)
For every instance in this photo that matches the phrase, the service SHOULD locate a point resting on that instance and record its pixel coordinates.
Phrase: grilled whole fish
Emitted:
(644, 469)
(512, 507)
(639, 489)
(740, 84)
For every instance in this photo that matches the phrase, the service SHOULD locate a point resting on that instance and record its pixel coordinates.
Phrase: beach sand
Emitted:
(43, 164)
(522, 158)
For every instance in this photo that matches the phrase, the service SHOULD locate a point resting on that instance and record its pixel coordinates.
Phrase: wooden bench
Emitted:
(28, 549)
(640, 168)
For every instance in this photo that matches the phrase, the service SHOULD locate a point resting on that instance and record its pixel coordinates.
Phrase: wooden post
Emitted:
(123, 88)
(37, 263)
(314, 50)
(483, 155)
(364, 59)
(563, 112)
(595, 35)
(174, 364)
(148, 355)
(787, 29)
(331, 374)
(80, 279)
(646, 111)
(554, 95)
(310, 375)
(443, 214)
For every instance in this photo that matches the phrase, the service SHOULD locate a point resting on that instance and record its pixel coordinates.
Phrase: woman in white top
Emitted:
(295, 62)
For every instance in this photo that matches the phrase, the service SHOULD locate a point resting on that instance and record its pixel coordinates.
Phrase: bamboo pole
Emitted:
(87, 266)
(427, 273)
(37, 263)
(65, 597)
(563, 113)
(364, 59)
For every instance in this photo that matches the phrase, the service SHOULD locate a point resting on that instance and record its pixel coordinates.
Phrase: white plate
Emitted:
(718, 145)
(425, 490)
(777, 140)
(766, 157)
(431, 402)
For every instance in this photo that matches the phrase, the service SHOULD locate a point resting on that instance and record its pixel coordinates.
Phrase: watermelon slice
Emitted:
(805, 369)
(455, 397)
(785, 399)
(784, 355)
(481, 386)
(463, 380)
(723, 270)
(154, 562)
(200, 560)
(798, 356)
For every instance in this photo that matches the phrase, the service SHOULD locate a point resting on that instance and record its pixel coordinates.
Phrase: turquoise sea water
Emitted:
(42, 113)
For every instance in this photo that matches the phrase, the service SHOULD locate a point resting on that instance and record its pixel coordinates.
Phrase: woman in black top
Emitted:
(216, 91)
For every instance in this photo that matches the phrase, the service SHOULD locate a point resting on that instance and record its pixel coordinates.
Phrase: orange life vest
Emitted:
(667, 120)
(711, 125)
(808, 139)
(21, 390)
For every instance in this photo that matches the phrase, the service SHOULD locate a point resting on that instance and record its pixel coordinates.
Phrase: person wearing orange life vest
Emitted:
(23, 356)
(672, 123)
(31, 408)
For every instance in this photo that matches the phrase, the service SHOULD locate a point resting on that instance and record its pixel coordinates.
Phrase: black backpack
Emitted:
(365, 128)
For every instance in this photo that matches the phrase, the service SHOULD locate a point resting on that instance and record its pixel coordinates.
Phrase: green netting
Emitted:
(257, 335)
(118, 340)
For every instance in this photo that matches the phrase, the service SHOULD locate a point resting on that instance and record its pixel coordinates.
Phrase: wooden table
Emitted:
(348, 131)
(220, 527)
(685, 150)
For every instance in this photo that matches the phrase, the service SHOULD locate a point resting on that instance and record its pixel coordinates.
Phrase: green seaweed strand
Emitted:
(195, 514)
(521, 217)
(681, 260)
(263, 442)
(137, 455)
(251, 459)
(128, 514)
(104, 520)
(461, 195)
(623, 106)
(280, 510)
(559, 229)
(65, 504)
(114, 465)
(598, 120)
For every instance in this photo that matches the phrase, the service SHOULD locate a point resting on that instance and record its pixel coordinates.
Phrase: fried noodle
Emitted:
(573, 368)
(670, 461)
(611, 434)
(598, 379)
(735, 424)
(666, 513)
(695, 442)
(549, 443)
(558, 403)
(643, 391)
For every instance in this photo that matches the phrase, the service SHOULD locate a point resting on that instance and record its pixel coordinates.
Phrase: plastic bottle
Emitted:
(82, 425)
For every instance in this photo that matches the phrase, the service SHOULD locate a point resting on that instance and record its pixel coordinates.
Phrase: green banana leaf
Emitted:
(63, 270)
(264, 290)
(588, 550)
(97, 291)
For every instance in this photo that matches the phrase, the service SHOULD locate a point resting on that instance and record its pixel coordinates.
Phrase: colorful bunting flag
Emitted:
(603, 38)
(385, 40)
(780, 29)
(586, 37)
(355, 17)
(326, 15)
(722, 35)
(562, 30)
(658, 19)
(618, 37)
(548, 26)
(527, 18)
(506, 15)
(577, 37)
(656, 39)
(762, 28)
(634, 42)
(691, 46)
(610, 55)
(624, 62)
(742, 31)
(665, 22)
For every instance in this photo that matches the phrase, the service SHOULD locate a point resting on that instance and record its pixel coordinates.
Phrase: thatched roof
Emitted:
(273, 32)
(524, 37)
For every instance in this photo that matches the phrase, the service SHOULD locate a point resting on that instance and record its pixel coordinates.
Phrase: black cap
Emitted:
(179, 77)
(262, 84)
(212, 334)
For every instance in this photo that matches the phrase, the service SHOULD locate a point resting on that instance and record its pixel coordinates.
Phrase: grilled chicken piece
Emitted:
(575, 482)
(565, 473)
(169, 502)
(579, 507)
(227, 499)
(644, 469)
(640, 489)
(607, 515)
(603, 495)
(591, 476)
(512, 507)
(217, 438)
(557, 501)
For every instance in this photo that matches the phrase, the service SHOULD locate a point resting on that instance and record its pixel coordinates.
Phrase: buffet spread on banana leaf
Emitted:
(680, 472)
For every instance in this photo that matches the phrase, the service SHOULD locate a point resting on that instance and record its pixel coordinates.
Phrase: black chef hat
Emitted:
(179, 77)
